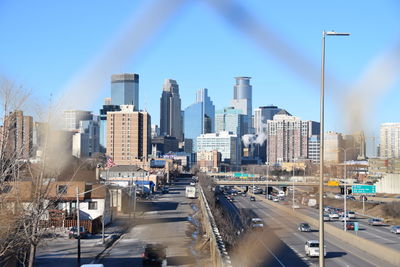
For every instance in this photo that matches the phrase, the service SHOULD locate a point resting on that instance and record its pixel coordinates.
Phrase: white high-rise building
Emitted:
(390, 140)
(226, 143)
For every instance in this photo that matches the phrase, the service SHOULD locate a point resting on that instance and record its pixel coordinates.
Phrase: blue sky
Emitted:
(44, 44)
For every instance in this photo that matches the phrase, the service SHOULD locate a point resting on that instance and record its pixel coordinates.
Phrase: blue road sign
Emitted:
(363, 189)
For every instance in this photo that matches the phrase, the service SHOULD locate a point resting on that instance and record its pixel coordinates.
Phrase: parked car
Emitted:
(350, 225)
(165, 190)
(73, 233)
(154, 254)
(304, 227)
(312, 248)
(252, 198)
(395, 229)
(375, 222)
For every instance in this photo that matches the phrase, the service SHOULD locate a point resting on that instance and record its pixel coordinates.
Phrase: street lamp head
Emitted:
(333, 33)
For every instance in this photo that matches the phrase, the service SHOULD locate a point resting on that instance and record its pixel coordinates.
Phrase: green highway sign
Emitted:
(355, 226)
(363, 189)
(237, 174)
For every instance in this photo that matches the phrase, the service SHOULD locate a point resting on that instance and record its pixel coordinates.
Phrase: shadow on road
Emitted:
(180, 260)
(160, 220)
(156, 206)
(335, 254)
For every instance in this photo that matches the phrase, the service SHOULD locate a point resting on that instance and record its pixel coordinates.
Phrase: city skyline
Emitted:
(273, 81)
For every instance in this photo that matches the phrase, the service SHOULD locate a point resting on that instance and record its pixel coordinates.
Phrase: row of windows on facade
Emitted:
(62, 190)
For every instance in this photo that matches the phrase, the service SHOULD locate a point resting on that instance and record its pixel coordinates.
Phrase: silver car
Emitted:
(395, 229)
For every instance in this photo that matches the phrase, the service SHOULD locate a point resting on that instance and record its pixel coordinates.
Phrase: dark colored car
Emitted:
(304, 227)
(350, 226)
(252, 198)
(154, 254)
(74, 233)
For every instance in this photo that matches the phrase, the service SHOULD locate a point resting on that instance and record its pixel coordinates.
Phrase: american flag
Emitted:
(110, 163)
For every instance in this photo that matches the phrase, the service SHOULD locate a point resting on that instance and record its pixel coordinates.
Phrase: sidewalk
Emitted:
(62, 251)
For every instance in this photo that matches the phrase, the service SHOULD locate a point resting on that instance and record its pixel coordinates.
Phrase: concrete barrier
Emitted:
(219, 255)
(390, 255)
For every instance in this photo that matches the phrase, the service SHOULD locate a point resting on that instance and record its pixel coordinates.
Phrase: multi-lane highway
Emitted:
(284, 226)
(379, 234)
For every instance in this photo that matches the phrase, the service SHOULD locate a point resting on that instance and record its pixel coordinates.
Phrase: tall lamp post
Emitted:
(321, 162)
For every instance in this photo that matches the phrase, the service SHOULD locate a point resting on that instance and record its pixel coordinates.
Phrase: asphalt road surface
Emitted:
(284, 226)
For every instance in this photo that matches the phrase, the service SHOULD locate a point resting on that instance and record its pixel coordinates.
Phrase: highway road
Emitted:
(285, 227)
(379, 234)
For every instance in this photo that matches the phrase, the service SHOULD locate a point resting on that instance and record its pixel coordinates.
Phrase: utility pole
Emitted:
(78, 230)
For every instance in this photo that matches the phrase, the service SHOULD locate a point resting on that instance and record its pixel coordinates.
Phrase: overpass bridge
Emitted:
(272, 183)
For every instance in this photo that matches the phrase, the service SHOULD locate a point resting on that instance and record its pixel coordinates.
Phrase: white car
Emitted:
(334, 216)
(326, 218)
(338, 196)
(351, 214)
(312, 248)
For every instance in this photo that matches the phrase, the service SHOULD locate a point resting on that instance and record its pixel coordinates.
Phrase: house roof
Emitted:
(125, 168)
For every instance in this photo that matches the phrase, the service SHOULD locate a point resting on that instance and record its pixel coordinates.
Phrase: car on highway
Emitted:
(154, 254)
(338, 196)
(327, 209)
(304, 227)
(375, 222)
(351, 198)
(327, 218)
(257, 224)
(252, 198)
(73, 233)
(395, 229)
(350, 225)
(312, 248)
(334, 216)
(351, 214)
(275, 199)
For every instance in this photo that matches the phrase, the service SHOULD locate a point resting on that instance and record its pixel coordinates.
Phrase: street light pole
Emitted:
(78, 230)
(321, 152)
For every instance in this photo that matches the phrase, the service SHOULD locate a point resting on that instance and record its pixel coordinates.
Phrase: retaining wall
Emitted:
(219, 255)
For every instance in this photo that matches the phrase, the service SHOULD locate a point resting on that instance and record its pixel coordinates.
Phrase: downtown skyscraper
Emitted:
(242, 100)
(125, 89)
(170, 110)
(199, 117)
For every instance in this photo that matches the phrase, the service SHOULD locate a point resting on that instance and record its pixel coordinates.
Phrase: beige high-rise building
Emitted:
(333, 141)
(390, 140)
(128, 135)
(16, 136)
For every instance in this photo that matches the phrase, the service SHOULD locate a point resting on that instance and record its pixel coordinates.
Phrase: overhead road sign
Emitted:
(363, 189)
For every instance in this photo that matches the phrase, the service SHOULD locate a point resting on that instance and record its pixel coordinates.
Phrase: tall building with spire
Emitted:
(242, 100)
(170, 110)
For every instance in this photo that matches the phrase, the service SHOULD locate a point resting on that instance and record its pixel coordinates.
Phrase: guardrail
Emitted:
(219, 255)
(390, 255)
